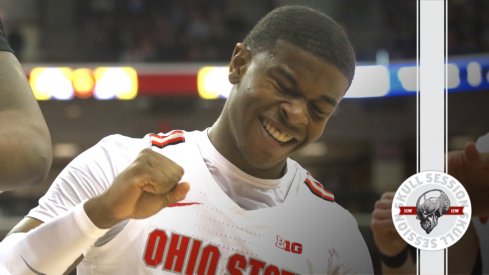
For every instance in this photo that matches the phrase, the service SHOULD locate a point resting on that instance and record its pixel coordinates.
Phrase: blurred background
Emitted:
(132, 67)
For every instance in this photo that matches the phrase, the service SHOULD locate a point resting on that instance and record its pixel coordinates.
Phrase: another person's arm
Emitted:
(25, 143)
(395, 256)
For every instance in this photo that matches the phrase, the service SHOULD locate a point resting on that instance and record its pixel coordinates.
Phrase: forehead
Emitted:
(294, 65)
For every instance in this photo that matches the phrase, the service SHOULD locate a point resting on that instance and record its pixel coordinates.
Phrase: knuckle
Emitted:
(375, 214)
(176, 178)
(180, 170)
(176, 171)
(171, 179)
(144, 156)
(165, 159)
(374, 225)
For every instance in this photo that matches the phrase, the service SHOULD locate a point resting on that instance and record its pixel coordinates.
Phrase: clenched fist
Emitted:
(147, 185)
(385, 235)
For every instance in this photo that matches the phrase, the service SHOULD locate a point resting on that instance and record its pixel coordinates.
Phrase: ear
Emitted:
(239, 63)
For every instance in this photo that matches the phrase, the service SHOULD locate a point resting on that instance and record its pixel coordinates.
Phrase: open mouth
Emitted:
(275, 133)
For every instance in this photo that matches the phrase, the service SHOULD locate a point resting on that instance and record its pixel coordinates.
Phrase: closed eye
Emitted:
(285, 90)
(319, 111)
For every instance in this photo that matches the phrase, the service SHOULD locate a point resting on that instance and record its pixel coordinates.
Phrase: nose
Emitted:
(295, 111)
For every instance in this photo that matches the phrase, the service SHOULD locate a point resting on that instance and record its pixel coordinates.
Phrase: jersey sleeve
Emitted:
(19, 252)
(87, 176)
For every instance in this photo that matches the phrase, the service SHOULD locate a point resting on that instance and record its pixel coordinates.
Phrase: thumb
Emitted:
(177, 193)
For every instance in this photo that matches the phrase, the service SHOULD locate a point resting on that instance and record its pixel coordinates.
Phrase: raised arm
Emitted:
(395, 257)
(25, 143)
(143, 188)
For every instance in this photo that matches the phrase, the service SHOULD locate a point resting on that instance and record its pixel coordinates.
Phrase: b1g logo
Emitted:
(288, 246)
(431, 210)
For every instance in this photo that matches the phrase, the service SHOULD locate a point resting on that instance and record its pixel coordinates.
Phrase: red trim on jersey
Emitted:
(318, 189)
(182, 204)
(163, 140)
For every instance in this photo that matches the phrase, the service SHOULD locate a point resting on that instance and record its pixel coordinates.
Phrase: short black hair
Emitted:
(307, 28)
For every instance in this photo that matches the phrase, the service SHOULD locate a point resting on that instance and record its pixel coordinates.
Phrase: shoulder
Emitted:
(308, 186)
(318, 189)
(104, 160)
(178, 145)
(113, 147)
(173, 141)
(122, 149)
(162, 140)
(119, 144)
(319, 200)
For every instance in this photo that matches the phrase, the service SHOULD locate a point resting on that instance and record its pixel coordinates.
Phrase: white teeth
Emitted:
(275, 133)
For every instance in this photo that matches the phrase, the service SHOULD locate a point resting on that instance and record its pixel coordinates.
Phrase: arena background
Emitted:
(368, 147)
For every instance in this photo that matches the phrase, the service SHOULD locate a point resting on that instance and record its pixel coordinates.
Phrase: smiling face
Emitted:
(280, 102)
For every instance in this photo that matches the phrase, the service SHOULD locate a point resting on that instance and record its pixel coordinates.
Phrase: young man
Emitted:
(223, 200)
(25, 143)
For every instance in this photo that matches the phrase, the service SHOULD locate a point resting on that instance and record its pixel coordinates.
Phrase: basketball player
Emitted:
(226, 200)
(25, 143)
(470, 255)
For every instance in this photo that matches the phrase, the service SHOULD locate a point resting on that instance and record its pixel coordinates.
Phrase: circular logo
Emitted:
(431, 210)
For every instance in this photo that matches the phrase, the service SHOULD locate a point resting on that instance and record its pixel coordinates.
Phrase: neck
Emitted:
(223, 139)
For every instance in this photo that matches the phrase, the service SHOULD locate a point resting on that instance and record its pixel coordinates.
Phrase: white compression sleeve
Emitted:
(52, 247)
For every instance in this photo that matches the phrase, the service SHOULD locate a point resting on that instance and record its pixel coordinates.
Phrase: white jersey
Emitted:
(208, 233)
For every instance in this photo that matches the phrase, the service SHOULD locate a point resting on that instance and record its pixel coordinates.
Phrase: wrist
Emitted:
(395, 260)
(98, 213)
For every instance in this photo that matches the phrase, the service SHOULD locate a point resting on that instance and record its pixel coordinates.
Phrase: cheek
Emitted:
(316, 130)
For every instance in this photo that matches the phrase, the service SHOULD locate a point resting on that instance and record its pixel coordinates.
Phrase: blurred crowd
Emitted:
(205, 31)
(152, 31)
(468, 27)
(200, 31)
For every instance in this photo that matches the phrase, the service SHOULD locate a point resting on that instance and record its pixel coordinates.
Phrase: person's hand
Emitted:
(472, 169)
(386, 237)
(147, 185)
